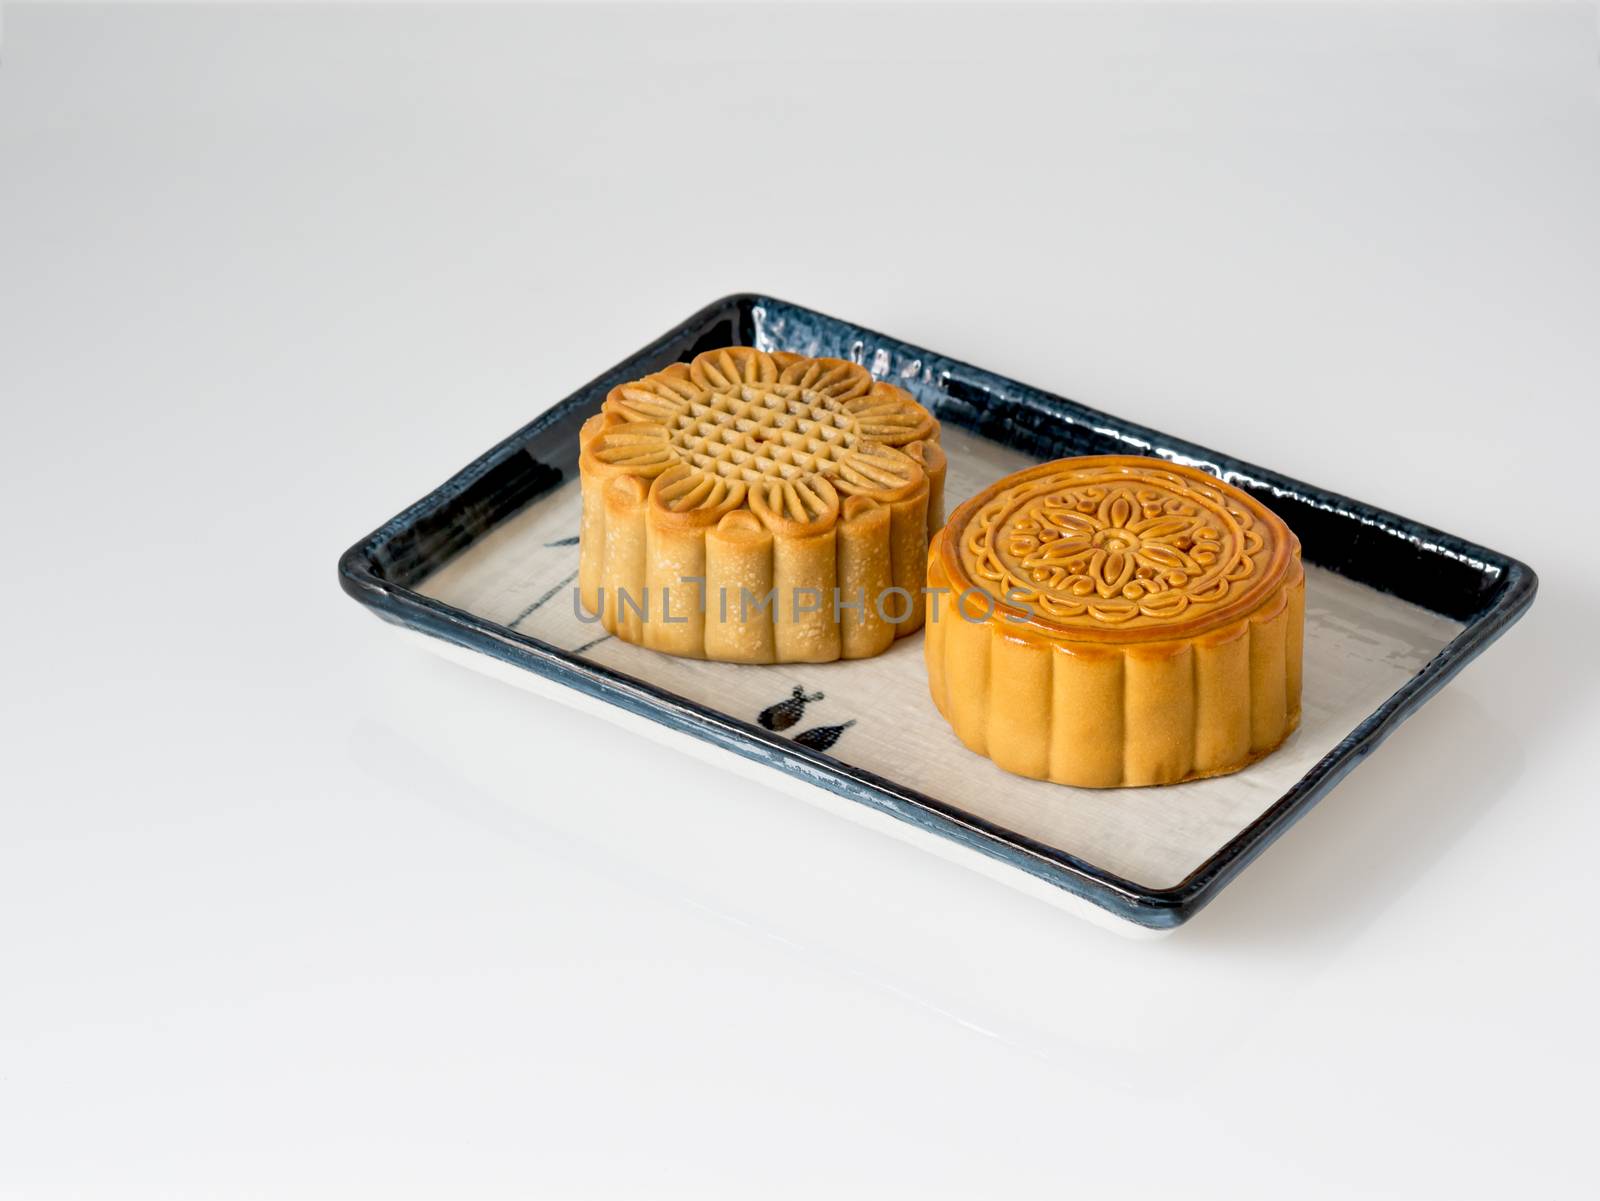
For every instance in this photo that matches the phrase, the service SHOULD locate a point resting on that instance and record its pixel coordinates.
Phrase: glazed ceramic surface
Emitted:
(489, 562)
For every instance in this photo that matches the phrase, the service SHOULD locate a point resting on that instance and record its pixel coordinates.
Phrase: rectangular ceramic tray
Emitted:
(487, 562)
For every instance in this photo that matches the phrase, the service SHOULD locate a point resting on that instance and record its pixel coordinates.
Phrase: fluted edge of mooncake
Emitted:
(632, 541)
(1113, 715)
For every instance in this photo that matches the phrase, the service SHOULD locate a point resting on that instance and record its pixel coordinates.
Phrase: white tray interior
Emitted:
(1361, 645)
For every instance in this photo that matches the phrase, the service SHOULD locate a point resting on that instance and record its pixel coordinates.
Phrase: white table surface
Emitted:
(289, 908)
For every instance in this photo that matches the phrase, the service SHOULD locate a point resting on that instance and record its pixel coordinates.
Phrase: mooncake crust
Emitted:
(1116, 621)
(750, 471)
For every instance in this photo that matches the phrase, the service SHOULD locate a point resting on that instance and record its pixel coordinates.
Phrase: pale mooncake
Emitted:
(1116, 621)
(759, 508)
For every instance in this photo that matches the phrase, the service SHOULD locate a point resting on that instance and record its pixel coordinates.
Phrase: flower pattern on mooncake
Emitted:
(1117, 621)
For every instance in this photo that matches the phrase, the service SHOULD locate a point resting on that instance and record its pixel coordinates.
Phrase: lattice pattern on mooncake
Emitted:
(742, 416)
(741, 444)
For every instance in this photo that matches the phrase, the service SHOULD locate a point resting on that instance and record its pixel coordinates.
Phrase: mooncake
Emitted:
(758, 507)
(1116, 621)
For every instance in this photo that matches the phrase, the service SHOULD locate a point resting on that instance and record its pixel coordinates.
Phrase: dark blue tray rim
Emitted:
(1156, 908)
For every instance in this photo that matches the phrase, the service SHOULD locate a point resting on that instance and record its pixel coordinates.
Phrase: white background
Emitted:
(287, 908)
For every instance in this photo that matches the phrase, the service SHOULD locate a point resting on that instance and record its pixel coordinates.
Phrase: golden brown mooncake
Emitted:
(1116, 621)
(759, 508)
